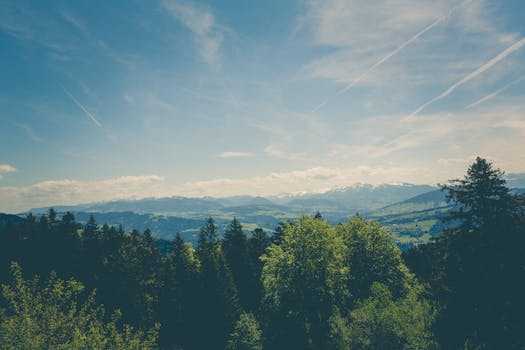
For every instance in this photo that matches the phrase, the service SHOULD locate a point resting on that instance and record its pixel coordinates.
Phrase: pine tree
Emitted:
(234, 247)
(180, 323)
(218, 298)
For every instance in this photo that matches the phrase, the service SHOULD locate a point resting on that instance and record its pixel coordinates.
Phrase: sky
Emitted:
(103, 100)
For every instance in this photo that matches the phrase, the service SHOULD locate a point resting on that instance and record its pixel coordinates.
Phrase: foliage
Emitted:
(53, 316)
(473, 269)
(303, 277)
(246, 334)
(380, 322)
(372, 257)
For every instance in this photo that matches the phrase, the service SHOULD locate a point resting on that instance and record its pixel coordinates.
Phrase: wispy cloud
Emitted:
(29, 131)
(278, 151)
(6, 168)
(391, 54)
(235, 154)
(514, 47)
(88, 113)
(494, 94)
(200, 20)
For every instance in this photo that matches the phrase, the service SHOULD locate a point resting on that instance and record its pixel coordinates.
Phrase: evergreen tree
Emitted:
(257, 244)
(235, 249)
(208, 236)
(473, 267)
(177, 308)
(218, 298)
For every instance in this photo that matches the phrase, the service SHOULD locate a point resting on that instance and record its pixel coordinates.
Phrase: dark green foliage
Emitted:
(217, 292)
(257, 244)
(476, 268)
(235, 249)
(372, 257)
(383, 323)
(246, 334)
(51, 315)
(178, 302)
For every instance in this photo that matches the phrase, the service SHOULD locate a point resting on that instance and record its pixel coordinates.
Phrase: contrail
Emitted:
(494, 94)
(91, 116)
(392, 53)
(515, 47)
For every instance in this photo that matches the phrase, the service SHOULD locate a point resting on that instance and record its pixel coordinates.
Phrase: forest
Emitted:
(306, 285)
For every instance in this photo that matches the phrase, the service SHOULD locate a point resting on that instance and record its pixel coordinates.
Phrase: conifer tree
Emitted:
(234, 247)
(218, 298)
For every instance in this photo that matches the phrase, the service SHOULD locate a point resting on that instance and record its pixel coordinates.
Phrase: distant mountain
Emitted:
(345, 201)
(359, 198)
(146, 205)
(515, 180)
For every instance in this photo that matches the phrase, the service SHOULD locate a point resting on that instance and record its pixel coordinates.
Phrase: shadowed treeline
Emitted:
(308, 285)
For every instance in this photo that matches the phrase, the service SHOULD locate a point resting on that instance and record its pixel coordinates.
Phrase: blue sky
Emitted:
(103, 100)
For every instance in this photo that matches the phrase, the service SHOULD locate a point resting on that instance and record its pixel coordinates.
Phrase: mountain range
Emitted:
(411, 212)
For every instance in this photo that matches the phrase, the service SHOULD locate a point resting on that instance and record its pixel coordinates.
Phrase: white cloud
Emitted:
(235, 154)
(200, 20)
(69, 192)
(277, 151)
(316, 179)
(6, 168)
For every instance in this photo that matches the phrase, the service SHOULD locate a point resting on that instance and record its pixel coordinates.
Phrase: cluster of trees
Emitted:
(309, 285)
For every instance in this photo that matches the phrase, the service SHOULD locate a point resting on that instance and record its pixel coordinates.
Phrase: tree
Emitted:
(217, 293)
(52, 317)
(382, 323)
(235, 249)
(257, 244)
(246, 334)
(180, 323)
(372, 257)
(208, 235)
(473, 268)
(303, 278)
(481, 197)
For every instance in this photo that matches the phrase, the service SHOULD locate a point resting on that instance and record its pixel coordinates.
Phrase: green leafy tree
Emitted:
(382, 323)
(303, 278)
(246, 334)
(372, 257)
(53, 317)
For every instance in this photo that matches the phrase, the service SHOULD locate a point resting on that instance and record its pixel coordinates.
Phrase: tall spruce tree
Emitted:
(177, 307)
(218, 298)
(235, 249)
(473, 268)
